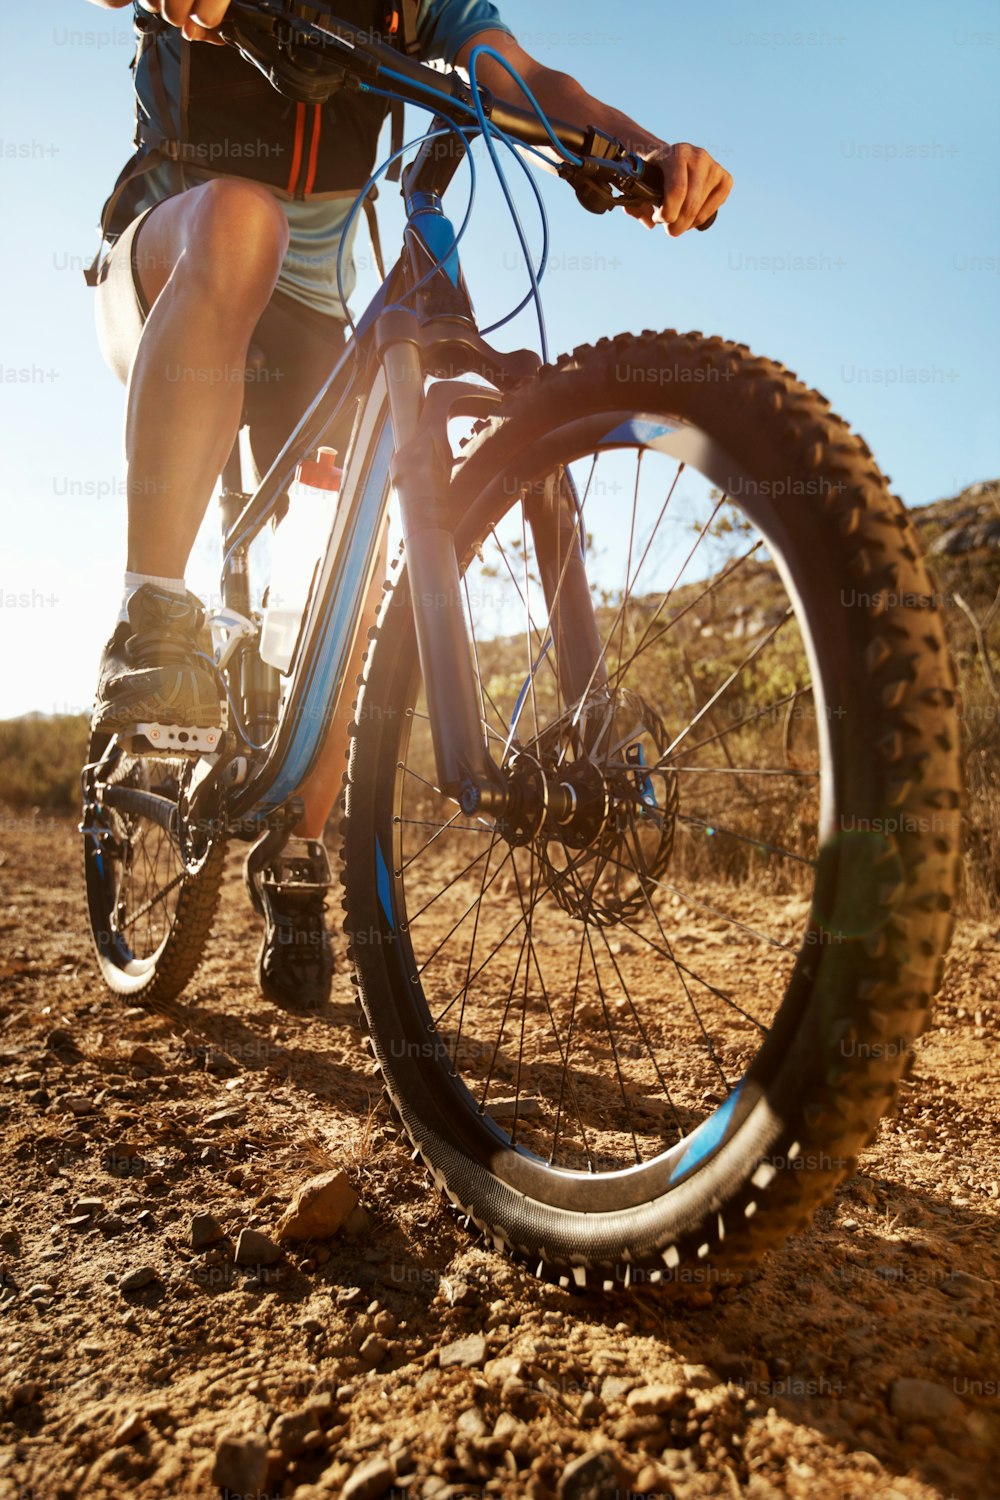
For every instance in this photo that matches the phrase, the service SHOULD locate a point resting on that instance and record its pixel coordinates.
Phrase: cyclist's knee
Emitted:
(237, 238)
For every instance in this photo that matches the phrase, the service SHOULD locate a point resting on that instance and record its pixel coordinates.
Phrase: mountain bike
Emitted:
(650, 819)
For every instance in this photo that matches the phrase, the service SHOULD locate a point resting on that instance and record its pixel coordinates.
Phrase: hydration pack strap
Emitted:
(408, 10)
(144, 160)
(372, 218)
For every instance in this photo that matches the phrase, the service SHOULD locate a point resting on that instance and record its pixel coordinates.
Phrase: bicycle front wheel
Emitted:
(648, 1037)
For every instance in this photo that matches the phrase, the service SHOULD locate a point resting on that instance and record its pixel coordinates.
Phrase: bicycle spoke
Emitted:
(483, 854)
(753, 718)
(624, 666)
(687, 991)
(734, 674)
(472, 942)
(441, 828)
(737, 771)
(744, 838)
(452, 930)
(651, 640)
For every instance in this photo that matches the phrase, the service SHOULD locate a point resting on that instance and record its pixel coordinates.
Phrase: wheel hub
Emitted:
(600, 817)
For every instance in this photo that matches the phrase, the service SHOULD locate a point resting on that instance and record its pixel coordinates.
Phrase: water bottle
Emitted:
(299, 539)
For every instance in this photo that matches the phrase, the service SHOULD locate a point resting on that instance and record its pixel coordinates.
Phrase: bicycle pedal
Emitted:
(298, 872)
(171, 739)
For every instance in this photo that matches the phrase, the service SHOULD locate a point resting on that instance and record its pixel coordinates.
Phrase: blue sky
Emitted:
(861, 247)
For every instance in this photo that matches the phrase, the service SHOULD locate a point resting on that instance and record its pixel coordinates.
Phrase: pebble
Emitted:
(591, 1407)
(291, 1432)
(371, 1481)
(240, 1464)
(925, 1402)
(471, 1423)
(358, 1222)
(134, 1281)
(89, 1206)
(615, 1388)
(220, 1063)
(374, 1349)
(39, 1290)
(132, 1428)
(964, 1284)
(255, 1249)
(78, 1104)
(205, 1230)
(593, 1476)
(463, 1354)
(319, 1208)
(224, 1117)
(145, 1058)
(652, 1400)
(506, 1367)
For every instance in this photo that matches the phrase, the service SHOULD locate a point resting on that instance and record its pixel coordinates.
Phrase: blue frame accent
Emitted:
(436, 231)
(327, 648)
(708, 1136)
(383, 885)
(638, 430)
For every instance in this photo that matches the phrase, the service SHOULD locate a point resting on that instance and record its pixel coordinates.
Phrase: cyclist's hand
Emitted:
(197, 19)
(694, 187)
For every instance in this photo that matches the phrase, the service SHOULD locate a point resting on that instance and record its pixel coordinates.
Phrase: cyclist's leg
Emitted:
(205, 264)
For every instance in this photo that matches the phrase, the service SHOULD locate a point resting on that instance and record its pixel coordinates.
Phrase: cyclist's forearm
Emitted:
(558, 93)
(563, 98)
(694, 185)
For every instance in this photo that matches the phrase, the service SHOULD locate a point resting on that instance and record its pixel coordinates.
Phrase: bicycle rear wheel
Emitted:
(152, 884)
(650, 1038)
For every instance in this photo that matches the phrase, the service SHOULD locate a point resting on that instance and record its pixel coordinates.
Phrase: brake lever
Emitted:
(650, 188)
(608, 167)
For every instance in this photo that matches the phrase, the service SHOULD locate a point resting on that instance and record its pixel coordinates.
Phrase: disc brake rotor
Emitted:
(602, 863)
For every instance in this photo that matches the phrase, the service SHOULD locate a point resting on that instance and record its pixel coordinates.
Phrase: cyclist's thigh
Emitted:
(218, 223)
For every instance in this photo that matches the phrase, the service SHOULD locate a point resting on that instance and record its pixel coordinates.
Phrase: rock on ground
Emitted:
(319, 1208)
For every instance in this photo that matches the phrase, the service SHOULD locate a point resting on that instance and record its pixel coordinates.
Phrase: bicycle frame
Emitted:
(399, 442)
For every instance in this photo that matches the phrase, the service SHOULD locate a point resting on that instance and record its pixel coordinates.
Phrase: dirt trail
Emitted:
(860, 1361)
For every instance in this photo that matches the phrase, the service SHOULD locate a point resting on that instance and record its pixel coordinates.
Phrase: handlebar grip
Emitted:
(650, 186)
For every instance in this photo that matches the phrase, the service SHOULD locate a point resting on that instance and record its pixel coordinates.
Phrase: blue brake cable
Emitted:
(490, 133)
(373, 180)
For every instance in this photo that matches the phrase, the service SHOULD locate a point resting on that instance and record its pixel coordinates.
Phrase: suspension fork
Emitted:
(554, 518)
(421, 476)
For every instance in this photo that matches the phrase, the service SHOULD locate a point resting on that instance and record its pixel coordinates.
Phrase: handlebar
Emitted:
(308, 61)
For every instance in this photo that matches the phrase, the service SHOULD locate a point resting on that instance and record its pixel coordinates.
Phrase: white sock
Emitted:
(134, 581)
